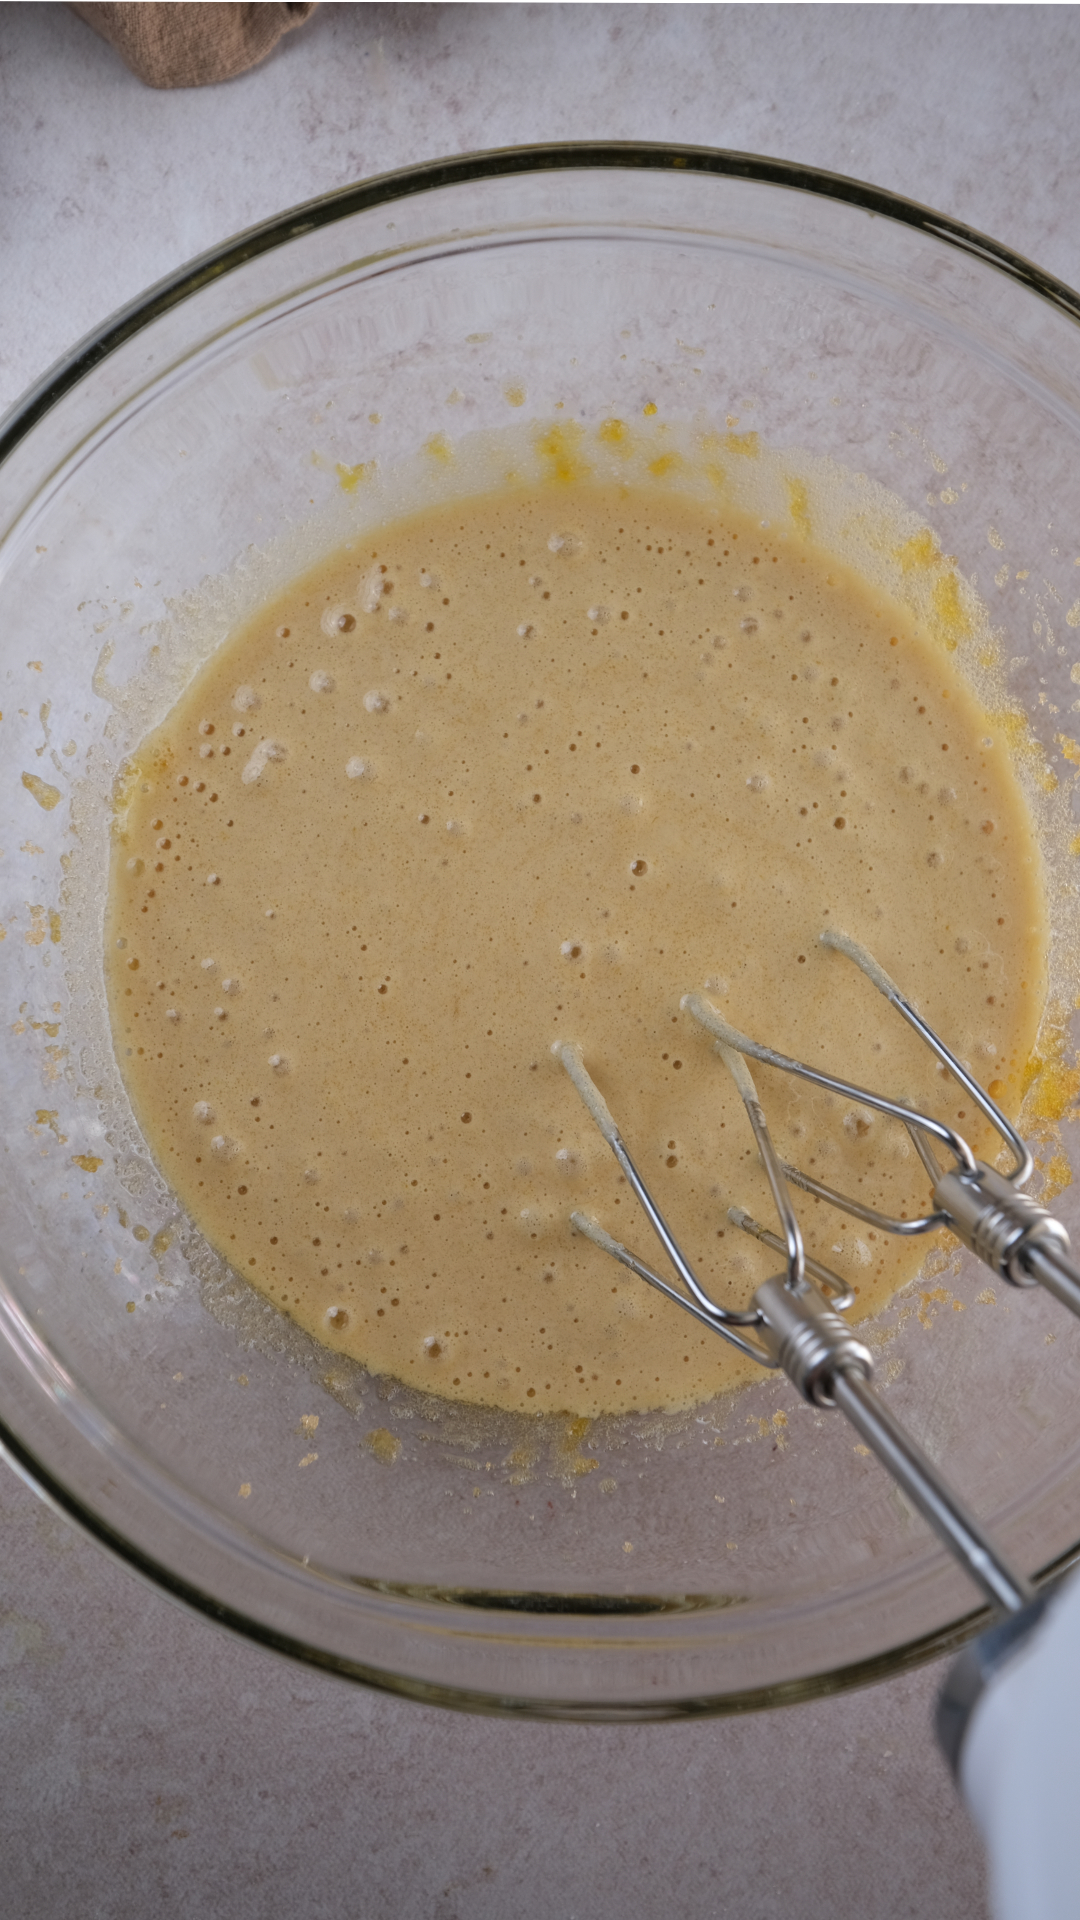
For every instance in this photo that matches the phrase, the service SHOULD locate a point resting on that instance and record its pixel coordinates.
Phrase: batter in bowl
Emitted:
(523, 768)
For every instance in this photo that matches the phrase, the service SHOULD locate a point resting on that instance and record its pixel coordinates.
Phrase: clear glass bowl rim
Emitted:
(504, 162)
(383, 190)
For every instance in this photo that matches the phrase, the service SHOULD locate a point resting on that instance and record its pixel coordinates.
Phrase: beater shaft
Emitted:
(831, 1367)
(1057, 1275)
(925, 1488)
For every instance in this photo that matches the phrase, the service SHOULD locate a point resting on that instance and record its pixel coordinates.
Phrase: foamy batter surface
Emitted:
(525, 769)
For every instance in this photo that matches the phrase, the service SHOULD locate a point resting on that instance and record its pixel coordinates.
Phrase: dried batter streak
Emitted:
(528, 768)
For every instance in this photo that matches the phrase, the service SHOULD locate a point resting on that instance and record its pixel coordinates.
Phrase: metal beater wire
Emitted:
(569, 1056)
(843, 943)
(594, 1231)
(841, 1295)
(1016, 1237)
(706, 1015)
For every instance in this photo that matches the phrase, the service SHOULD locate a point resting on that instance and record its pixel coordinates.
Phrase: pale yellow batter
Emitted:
(527, 769)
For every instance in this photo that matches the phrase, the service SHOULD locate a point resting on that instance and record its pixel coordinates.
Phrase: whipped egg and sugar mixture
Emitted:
(527, 768)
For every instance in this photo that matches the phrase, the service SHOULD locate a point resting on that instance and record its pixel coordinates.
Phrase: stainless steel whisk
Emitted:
(793, 1323)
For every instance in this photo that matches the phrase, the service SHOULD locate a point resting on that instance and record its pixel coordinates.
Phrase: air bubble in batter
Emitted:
(266, 752)
(570, 1162)
(337, 620)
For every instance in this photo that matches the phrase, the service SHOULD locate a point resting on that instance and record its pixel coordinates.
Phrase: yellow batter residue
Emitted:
(529, 767)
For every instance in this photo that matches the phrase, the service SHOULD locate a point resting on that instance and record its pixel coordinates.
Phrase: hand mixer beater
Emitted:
(794, 1321)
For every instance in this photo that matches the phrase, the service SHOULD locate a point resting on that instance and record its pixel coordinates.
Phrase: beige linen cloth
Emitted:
(192, 45)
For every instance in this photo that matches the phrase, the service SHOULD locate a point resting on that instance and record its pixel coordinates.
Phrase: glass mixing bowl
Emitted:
(738, 1555)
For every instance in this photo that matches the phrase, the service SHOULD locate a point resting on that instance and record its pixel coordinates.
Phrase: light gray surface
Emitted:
(151, 1764)
(154, 1766)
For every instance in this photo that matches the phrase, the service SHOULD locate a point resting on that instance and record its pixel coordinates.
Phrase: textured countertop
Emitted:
(150, 1764)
